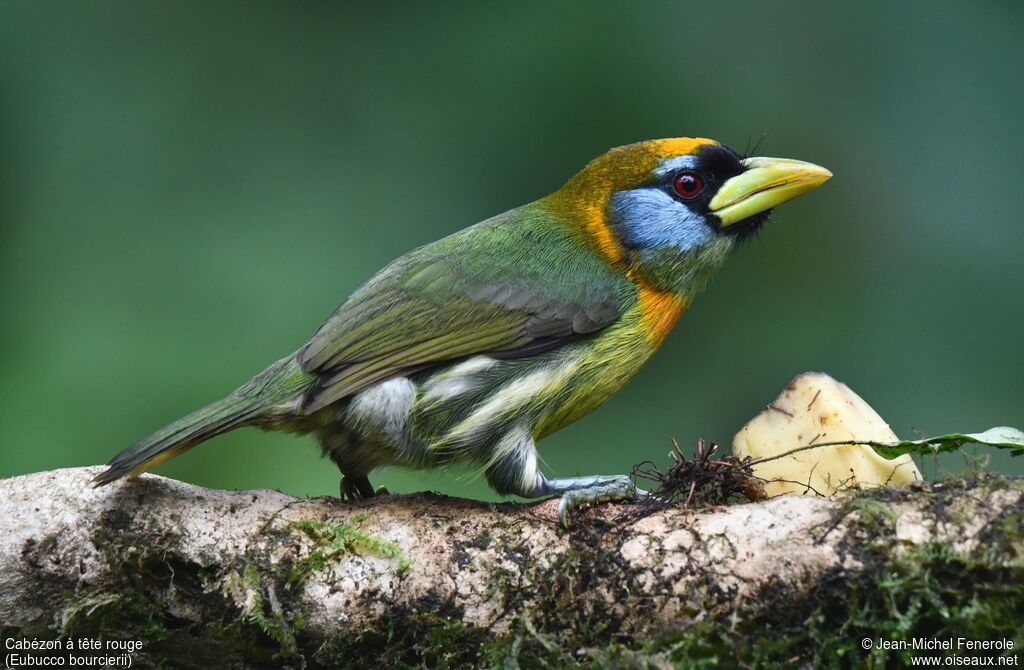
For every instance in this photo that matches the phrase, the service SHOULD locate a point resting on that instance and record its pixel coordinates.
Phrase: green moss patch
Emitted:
(335, 539)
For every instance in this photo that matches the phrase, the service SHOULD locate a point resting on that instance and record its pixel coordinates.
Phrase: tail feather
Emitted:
(178, 437)
(269, 389)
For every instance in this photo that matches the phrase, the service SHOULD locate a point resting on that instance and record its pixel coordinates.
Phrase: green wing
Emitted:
(516, 284)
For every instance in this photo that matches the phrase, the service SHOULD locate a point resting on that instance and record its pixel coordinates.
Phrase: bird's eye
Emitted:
(689, 185)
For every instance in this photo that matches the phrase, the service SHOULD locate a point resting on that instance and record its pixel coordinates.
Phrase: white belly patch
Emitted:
(384, 408)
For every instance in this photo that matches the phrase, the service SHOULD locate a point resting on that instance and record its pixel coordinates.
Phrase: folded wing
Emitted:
(519, 284)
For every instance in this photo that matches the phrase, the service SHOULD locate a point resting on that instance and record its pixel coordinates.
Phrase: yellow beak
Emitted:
(767, 182)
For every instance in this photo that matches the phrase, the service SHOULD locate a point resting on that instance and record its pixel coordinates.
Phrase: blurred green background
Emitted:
(188, 189)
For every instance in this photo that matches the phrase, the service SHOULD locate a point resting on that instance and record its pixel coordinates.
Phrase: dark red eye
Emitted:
(689, 185)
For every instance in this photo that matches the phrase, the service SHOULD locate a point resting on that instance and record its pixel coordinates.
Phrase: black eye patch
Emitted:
(715, 165)
(720, 161)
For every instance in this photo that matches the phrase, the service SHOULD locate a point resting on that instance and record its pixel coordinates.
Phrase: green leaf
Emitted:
(1002, 437)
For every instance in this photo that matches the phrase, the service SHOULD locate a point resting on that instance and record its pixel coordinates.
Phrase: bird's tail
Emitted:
(261, 398)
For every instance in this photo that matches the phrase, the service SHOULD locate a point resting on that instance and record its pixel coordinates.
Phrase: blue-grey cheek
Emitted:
(648, 218)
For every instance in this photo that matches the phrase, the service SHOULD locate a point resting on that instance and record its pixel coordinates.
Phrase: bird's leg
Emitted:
(516, 473)
(579, 491)
(358, 487)
(355, 485)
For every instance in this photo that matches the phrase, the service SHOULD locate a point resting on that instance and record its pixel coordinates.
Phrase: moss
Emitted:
(429, 633)
(270, 617)
(932, 593)
(13, 632)
(150, 594)
(153, 629)
(334, 540)
(927, 591)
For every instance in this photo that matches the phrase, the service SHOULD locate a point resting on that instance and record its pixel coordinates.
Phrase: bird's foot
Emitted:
(585, 491)
(359, 488)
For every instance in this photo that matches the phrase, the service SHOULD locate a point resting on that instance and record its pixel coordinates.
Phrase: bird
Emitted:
(470, 350)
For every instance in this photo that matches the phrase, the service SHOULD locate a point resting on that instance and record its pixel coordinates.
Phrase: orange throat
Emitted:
(659, 311)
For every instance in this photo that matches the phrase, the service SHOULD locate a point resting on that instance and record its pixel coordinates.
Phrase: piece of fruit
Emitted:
(816, 408)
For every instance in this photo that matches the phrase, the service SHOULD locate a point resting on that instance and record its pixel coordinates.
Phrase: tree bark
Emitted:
(209, 578)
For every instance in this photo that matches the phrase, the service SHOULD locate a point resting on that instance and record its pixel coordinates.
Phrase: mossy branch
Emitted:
(262, 579)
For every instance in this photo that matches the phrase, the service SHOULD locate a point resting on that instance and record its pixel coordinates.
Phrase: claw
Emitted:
(357, 488)
(610, 490)
(347, 491)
